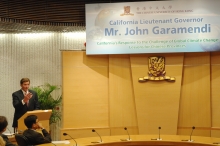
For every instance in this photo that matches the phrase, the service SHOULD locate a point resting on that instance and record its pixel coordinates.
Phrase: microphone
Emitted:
(128, 135)
(53, 144)
(65, 134)
(93, 130)
(159, 135)
(191, 134)
(190, 138)
(10, 131)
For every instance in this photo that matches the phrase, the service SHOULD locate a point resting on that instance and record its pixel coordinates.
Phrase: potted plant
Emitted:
(47, 101)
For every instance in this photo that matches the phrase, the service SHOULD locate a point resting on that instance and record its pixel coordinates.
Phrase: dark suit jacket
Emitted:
(7, 142)
(36, 138)
(21, 109)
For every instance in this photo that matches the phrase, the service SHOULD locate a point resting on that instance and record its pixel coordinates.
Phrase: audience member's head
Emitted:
(31, 122)
(3, 124)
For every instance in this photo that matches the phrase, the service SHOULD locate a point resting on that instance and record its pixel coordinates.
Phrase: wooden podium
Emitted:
(43, 118)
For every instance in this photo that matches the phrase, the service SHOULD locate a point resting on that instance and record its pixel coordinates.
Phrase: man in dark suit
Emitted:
(24, 100)
(3, 126)
(34, 137)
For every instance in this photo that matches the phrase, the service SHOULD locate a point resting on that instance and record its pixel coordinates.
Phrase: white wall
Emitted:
(36, 56)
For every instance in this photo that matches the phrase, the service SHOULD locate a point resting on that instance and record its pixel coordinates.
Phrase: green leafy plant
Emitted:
(48, 102)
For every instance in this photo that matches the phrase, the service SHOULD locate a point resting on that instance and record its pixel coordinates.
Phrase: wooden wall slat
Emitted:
(121, 98)
(195, 103)
(85, 90)
(215, 92)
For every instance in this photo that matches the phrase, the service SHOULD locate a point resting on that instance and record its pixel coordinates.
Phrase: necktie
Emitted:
(28, 100)
(27, 103)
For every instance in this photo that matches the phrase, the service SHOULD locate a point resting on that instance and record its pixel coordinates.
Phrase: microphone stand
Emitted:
(159, 135)
(190, 137)
(53, 144)
(129, 139)
(93, 130)
(64, 134)
(11, 134)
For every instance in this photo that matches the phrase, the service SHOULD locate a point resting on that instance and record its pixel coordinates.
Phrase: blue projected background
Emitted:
(153, 27)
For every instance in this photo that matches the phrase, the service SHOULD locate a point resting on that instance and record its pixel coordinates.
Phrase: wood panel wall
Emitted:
(103, 92)
(157, 102)
(215, 93)
(195, 108)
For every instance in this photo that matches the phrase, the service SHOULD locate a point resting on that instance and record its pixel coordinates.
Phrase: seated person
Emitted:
(4, 139)
(32, 135)
(2, 142)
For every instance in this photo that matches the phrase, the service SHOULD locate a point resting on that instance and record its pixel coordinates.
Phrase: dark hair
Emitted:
(3, 123)
(30, 120)
(24, 80)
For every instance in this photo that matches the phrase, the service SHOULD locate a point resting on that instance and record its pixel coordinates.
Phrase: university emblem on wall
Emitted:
(156, 66)
(127, 11)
